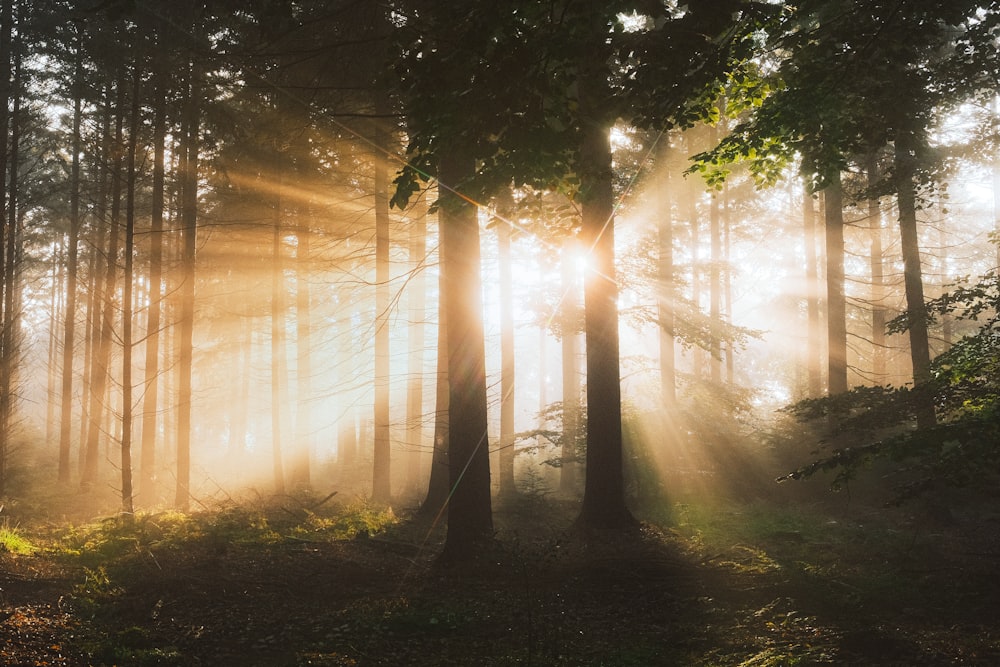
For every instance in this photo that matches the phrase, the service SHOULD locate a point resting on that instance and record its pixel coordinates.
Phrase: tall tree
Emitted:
(836, 303)
(128, 281)
(151, 381)
(188, 172)
(470, 520)
(504, 228)
(604, 487)
(104, 302)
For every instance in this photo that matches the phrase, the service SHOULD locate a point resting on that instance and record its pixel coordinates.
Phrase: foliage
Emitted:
(961, 450)
(13, 542)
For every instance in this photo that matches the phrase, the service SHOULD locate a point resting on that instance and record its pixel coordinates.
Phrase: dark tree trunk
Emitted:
(127, 306)
(72, 259)
(470, 520)
(381, 480)
(151, 384)
(836, 305)
(916, 310)
(604, 490)
(188, 170)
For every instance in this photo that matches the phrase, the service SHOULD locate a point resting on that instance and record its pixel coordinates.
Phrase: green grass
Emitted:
(13, 542)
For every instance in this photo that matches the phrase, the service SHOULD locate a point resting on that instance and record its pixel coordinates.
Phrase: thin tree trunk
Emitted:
(727, 283)
(279, 365)
(381, 480)
(101, 367)
(916, 310)
(878, 293)
(127, 305)
(836, 306)
(416, 339)
(151, 384)
(72, 259)
(188, 168)
(9, 321)
(303, 361)
(506, 468)
(56, 295)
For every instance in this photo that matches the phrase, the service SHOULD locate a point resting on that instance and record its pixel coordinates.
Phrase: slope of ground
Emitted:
(282, 584)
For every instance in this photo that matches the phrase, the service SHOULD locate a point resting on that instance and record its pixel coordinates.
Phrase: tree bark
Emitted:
(470, 520)
(416, 340)
(916, 310)
(878, 287)
(381, 480)
(188, 171)
(604, 489)
(439, 483)
(836, 306)
(150, 400)
(505, 206)
(101, 366)
(128, 508)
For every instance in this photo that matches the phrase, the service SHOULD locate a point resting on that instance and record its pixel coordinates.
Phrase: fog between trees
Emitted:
(223, 263)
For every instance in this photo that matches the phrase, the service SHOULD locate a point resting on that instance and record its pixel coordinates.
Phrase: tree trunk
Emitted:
(188, 170)
(101, 366)
(303, 352)
(72, 259)
(381, 481)
(916, 310)
(604, 490)
(570, 368)
(416, 340)
(505, 206)
(8, 200)
(279, 364)
(836, 306)
(439, 482)
(151, 384)
(470, 520)
(878, 291)
(56, 294)
(127, 305)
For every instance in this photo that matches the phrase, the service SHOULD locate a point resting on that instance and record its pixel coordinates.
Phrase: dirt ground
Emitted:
(665, 595)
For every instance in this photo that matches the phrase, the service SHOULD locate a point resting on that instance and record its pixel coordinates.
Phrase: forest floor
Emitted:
(300, 581)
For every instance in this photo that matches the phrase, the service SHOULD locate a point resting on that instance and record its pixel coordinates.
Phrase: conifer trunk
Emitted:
(836, 305)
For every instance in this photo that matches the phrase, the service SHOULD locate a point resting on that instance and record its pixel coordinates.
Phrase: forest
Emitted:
(555, 332)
